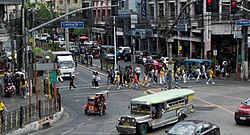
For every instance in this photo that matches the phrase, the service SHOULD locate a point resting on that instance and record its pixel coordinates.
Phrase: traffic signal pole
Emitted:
(168, 36)
(67, 14)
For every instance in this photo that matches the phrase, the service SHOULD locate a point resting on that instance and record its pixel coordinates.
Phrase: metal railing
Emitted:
(13, 120)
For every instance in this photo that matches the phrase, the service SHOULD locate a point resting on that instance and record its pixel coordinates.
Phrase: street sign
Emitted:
(215, 52)
(72, 25)
(53, 77)
(179, 47)
(242, 22)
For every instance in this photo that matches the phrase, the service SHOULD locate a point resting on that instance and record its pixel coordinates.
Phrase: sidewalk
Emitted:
(16, 101)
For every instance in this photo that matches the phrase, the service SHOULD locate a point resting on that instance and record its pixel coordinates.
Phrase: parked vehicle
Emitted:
(154, 64)
(242, 113)
(9, 89)
(194, 127)
(124, 52)
(156, 110)
(165, 60)
(44, 37)
(96, 104)
(150, 57)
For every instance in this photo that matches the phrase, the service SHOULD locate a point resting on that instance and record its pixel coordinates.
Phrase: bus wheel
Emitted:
(142, 129)
(182, 117)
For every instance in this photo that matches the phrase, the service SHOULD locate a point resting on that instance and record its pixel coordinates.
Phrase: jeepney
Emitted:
(156, 110)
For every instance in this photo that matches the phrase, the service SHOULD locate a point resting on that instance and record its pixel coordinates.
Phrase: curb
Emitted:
(37, 125)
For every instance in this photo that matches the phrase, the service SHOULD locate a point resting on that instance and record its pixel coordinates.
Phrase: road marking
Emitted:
(218, 106)
(82, 85)
(67, 131)
(110, 92)
(91, 70)
(222, 95)
(81, 79)
(89, 119)
(81, 125)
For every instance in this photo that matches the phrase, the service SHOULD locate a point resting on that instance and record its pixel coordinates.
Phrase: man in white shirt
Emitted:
(198, 72)
(138, 72)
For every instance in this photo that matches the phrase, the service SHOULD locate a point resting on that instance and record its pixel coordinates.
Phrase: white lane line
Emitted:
(80, 124)
(80, 85)
(89, 119)
(67, 131)
(110, 92)
(82, 79)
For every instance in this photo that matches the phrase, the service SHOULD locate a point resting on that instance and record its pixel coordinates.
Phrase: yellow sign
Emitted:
(179, 48)
(31, 40)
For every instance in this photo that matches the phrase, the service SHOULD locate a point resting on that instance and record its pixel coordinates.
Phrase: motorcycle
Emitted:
(9, 89)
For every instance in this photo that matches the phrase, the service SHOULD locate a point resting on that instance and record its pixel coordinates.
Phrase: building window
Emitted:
(151, 11)
(172, 11)
(61, 2)
(75, 1)
(68, 1)
(161, 10)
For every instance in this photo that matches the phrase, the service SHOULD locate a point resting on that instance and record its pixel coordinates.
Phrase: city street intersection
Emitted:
(214, 103)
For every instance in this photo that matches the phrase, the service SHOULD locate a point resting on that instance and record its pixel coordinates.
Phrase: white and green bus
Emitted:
(156, 110)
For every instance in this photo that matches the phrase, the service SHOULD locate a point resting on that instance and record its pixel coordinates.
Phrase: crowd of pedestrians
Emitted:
(135, 78)
(18, 82)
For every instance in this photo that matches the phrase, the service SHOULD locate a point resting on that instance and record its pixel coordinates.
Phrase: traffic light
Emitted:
(209, 5)
(114, 10)
(212, 6)
(215, 6)
(198, 7)
(233, 6)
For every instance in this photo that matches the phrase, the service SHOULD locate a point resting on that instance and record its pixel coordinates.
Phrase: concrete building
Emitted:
(7, 8)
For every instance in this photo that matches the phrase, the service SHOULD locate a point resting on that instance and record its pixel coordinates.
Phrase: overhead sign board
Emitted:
(242, 22)
(72, 25)
(44, 66)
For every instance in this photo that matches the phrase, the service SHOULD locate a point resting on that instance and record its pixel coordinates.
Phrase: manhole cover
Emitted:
(204, 108)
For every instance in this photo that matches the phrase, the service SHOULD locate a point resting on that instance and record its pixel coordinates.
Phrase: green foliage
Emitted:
(83, 31)
(53, 46)
(42, 10)
(42, 53)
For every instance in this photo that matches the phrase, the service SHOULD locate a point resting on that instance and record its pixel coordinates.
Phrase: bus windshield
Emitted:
(140, 109)
(66, 64)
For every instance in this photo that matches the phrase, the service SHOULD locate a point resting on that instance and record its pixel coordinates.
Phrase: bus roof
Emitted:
(162, 96)
(62, 53)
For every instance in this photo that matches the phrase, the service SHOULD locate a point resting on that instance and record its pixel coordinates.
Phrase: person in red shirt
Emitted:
(135, 81)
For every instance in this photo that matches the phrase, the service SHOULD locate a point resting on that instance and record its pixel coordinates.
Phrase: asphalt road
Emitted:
(214, 103)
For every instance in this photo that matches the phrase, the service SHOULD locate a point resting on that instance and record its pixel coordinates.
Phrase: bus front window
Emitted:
(140, 109)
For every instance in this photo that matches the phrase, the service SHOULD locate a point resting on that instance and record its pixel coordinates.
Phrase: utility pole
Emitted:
(244, 46)
(51, 16)
(66, 29)
(12, 43)
(115, 42)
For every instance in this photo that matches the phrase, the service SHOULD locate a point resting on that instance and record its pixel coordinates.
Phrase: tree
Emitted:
(83, 31)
